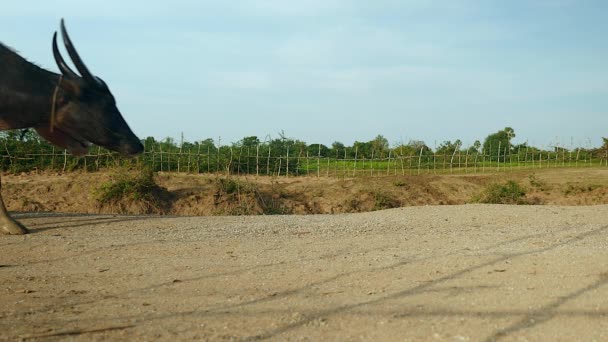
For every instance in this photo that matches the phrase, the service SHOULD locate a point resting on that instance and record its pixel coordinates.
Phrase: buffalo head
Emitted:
(84, 109)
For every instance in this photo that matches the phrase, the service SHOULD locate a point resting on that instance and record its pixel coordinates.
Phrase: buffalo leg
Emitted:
(7, 224)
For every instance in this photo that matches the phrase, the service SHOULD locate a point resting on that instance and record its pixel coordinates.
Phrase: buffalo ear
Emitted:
(71, 87)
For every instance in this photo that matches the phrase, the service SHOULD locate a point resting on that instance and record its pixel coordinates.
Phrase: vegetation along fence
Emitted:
(25, 151)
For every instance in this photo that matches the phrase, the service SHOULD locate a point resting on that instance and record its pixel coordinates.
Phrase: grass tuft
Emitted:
(132, 192)
(507, 193)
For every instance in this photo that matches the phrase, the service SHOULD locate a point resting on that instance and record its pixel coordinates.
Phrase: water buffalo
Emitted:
(70, 110)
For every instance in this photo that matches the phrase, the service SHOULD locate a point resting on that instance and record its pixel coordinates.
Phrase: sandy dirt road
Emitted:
(437, 273)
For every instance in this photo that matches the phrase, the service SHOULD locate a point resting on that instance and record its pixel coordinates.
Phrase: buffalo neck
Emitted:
(25, 91)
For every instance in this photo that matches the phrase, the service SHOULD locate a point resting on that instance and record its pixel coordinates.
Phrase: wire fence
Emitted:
(262, 159)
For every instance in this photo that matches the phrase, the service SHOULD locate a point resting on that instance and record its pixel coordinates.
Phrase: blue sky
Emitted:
(334, 70)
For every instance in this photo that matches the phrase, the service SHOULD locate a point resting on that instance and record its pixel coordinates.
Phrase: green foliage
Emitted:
(317, 150)
(499, 140)
(233, 186)
(380, 145)
(383, 200)
(399, 183)
(448, 148)
(507, 193)
(250, 141)
(126, 188)
(287, 156)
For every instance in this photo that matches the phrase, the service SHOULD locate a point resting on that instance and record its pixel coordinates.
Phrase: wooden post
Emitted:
(363, 168)
(65, 159)
(198, 158)
(160, 151)
(189, 157)
(179, 157)
(336, 164)
(475, 162)
(229, 167)
(466, 162)
(248, 157)
(401, 159)
(307, 163)
(452, 159)
(268, 162)
(372, 165)
(344, 162)
(319, 162)
(355, 164)
(287, 164)
(420, 159)
(238, 163)
(498, 157)
(257, 159)
(219, 147)
(298, 163)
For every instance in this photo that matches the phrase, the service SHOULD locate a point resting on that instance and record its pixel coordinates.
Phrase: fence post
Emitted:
(286, 164)
(371, 161)
(401, 159)
(208, 159)
(307, 163)
(198, 158)
(229, 167)
(257, 159)
(466, 162)
(452, 159)
(65, 159)
(248, 157)
(319, 162)
(179, 156)
(344, 162)
(189, 158)
(355, 166)
(420, 158)
(268, 162)
(475, 162)
(498, 157)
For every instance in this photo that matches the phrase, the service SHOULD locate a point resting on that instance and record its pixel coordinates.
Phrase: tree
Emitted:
(379, 145)
(475, 148)
(418, 145)
(315, 150)
(447, 147)
(363, 149)
(250, 141)
(501, 138)
(338, 149)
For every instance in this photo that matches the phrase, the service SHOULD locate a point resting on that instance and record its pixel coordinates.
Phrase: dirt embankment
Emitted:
(196, 195)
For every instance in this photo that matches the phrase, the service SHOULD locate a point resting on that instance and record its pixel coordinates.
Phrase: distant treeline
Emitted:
(26, 151)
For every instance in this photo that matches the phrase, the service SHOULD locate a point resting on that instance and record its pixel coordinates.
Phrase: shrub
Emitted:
(237, 197)
(383, 200)
(399, 183)
(508, 193)
(132, 192)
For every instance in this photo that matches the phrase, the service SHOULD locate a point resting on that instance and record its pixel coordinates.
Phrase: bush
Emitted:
(383, 200)
(132, 192)
(508, 193)
(237, 197)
